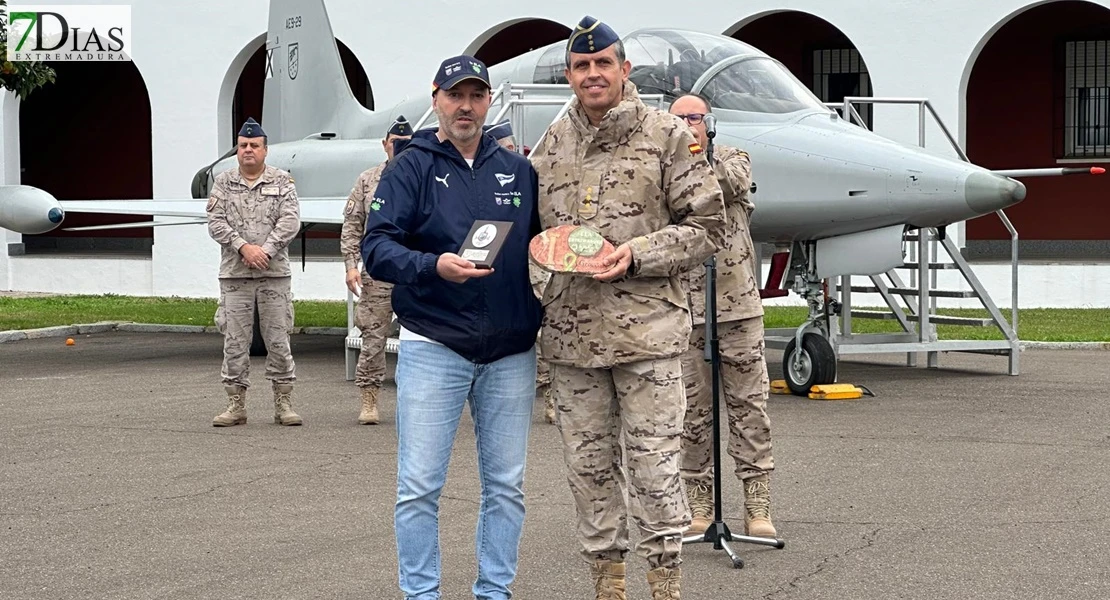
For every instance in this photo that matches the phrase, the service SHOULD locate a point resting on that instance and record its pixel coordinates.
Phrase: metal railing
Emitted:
(847, 110)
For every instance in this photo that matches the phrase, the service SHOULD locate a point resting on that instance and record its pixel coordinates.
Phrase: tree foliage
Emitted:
(20, 77)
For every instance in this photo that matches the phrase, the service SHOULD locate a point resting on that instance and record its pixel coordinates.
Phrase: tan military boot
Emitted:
(664, 583)
(236, 413)
(757, 507)
(608, 580)
(369, 414)
(700, 497)
(549, 405)
(283, 405)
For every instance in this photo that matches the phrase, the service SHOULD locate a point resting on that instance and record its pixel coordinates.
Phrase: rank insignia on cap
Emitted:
(400, 127)
(251, 129)
(591, 36)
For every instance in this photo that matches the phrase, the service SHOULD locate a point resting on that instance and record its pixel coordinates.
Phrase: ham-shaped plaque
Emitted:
(570, 249)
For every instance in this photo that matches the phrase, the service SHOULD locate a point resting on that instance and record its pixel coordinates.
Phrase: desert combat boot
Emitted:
(369, 414)
(700, 497)
(757, 507)
(664, 583)
(236, 413)
(283, 405)
(608, 580)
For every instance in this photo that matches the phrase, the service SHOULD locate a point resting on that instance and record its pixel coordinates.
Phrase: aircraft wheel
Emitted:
(258, 345)
(818, 364)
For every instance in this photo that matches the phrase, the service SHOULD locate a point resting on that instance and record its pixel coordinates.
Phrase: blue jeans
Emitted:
(433, 385)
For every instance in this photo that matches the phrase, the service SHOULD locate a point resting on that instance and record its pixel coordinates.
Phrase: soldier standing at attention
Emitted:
(740, 337)
(374, 312)
(253, 213)
(638, 176)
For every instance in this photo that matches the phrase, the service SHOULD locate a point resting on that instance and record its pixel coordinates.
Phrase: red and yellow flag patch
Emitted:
(695, 148)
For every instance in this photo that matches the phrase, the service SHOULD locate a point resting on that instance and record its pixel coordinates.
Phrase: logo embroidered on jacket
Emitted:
(443, 179)
(504, 179)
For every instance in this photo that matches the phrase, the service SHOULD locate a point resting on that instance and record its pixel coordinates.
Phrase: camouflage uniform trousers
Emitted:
(373, 317)
(744, 390)
(543, 370)
(640, 404)
(235, 320)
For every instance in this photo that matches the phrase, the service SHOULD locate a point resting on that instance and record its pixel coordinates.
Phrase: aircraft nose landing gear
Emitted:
(809, 359)
(814, 363)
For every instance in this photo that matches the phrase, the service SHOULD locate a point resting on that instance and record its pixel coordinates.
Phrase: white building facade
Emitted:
(1020, 84)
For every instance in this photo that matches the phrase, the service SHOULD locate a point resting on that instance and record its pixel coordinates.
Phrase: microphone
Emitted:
(711, 125)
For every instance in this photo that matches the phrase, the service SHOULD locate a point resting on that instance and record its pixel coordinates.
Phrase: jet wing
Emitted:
(313, 210)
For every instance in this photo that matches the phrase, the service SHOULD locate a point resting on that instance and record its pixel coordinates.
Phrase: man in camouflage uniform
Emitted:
(374, 312)
(614, 340)
(740, 335)
(253, 213)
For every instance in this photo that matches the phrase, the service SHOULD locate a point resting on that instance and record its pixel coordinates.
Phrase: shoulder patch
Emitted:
(211, 204)
(695, 148)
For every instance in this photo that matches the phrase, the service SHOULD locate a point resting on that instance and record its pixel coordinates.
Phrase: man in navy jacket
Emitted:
(466, 333)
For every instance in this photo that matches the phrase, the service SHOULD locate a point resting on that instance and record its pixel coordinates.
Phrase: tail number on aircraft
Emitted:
(293, 22)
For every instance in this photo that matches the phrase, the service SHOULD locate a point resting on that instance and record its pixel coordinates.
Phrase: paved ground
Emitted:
(957, 483)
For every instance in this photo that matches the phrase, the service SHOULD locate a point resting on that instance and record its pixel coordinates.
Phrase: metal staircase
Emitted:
(913, 302)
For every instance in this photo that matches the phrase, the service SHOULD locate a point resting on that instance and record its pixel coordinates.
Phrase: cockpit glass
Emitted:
(671, 62)
(666, 61)
(759, 85)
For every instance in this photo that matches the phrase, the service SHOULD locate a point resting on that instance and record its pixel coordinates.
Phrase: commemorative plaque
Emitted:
(570, 249)
(484, 242)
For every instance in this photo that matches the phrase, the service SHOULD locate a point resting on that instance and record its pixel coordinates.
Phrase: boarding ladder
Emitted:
(912, 302)
(512, 101)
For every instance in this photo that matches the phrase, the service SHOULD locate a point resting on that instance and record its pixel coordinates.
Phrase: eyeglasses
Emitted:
(692, 118)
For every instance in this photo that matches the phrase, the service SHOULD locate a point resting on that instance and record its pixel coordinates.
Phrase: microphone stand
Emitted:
(718, 532)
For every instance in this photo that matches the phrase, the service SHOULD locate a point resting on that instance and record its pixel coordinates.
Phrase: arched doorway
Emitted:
(513, 38)
(818, 53)
(88, 137)
(1038, 95)
(248, 98)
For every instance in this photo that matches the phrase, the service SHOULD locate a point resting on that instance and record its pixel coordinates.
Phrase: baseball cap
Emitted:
(459, 68)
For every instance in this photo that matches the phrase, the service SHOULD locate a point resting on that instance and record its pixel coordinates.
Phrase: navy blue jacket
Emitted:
(425, 204)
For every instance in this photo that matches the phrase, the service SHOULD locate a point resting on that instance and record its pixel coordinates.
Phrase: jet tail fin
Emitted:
(306, 88)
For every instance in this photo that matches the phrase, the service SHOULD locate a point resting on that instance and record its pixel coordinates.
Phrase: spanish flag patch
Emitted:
(695, 148)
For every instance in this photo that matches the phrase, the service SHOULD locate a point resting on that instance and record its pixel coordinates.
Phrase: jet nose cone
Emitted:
(55, 215)
(987, 192)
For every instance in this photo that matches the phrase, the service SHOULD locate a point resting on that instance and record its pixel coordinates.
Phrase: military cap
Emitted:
(591, 36)
(251, 129)
(459, 68)
(500, 130)
(400, 127)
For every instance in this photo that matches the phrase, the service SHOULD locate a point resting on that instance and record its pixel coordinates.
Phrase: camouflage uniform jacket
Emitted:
(267, 215)
(638, 179)
(354, 216)
(737, 288)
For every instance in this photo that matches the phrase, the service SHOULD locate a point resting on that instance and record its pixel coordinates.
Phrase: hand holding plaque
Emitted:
(484, 242)
(571, 249)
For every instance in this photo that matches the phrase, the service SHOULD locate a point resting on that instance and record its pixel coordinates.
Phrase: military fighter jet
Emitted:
(836, 197)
